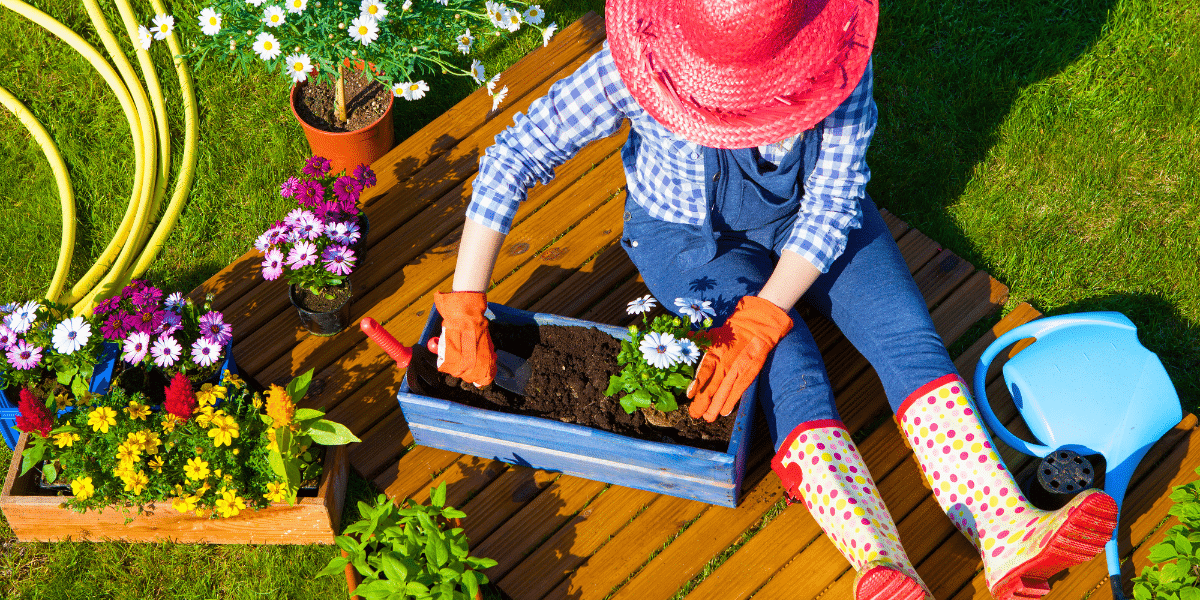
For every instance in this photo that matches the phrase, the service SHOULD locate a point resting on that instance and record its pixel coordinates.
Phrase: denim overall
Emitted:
(868, 292)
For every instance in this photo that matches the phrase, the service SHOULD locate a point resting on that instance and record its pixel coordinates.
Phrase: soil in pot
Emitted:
(329, 300)
(569, 371)
(366, 101)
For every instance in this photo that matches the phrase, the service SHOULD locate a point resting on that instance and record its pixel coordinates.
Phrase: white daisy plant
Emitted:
(658, 359)
(273, 16)
(210, 21)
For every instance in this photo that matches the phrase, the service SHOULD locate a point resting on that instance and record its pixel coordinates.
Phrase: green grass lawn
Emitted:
(1053, 144)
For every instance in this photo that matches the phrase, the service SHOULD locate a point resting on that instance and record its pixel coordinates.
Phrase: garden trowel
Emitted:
(512, 371)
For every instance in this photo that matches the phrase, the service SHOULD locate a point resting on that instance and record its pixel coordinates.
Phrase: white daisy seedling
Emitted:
(464, 42)
(163, 26)
(534, 14)
(373, 8)
(364, 29)
(661, 350)
(273, 16)
(210, 21)
(477, 71)
(641, 305)
(499, 97)
(297, 6)
(511, 19)
(298, 66)
(71, 335)
(415, 90)
(145, 38)
(266, 46)
(695, 310)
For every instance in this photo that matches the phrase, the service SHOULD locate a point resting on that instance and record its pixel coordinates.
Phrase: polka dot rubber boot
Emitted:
(820, 466)
(1021, 545)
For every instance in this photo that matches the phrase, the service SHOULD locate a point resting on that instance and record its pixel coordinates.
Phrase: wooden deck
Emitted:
(558, 536)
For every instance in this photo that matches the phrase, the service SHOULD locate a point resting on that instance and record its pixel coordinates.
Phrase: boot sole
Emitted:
(884, 583)
(1081, 537)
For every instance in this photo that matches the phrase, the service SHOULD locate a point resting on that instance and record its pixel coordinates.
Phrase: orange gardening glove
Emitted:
(465, 350)
(739, 349)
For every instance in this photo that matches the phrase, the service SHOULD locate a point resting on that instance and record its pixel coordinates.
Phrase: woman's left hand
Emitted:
(737, 355)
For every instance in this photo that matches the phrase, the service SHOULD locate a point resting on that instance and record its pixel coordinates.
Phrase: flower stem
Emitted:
(341, 93)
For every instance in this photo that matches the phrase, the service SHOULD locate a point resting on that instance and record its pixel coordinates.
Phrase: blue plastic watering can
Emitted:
(1085, 385)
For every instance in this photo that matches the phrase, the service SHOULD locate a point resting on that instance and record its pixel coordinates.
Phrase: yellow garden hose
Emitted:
(65, 194)
(187, 169)
(123, 97)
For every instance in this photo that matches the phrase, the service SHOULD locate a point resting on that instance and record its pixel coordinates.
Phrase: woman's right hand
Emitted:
(465, 350)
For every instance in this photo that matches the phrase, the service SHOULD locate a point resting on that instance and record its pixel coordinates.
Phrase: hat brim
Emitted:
(730, 104)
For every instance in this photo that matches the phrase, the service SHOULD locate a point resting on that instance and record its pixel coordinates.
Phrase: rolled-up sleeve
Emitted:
(833, 191)
(587, 105)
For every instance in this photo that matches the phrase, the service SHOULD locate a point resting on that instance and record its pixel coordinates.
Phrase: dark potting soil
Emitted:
(366, 101)
(329, 300)
(569, 371)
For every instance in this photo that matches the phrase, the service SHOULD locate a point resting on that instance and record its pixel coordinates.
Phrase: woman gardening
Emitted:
(746, 172)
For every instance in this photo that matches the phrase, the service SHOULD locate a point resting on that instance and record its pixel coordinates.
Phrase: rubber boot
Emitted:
(820, 466)
(1021, 545)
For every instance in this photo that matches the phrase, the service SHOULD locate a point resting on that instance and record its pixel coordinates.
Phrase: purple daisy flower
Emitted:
(165, 351)
(24, 356)
(214, 327)
(205, 352)
(8, 337)
(317, 166)
(308, 226)
(309, 193)
(301, 255)
(146, 297)
(174, 302)
(347, 189)
(288, 188)
(294, 216)
(279, 233)
(343, 232)
(107, 306)
(171, 323)
(339, 260)
(272, 266)
(364, 175)
(135, 348)
(148, 320)
(114, 328)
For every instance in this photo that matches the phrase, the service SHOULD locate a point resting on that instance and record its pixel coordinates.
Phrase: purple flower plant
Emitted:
(8, 337)
(317, 166)
(339, 260)
(214, 327)
(24, 356)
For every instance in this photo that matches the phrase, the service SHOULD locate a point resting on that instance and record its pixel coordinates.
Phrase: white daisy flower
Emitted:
(163, 25)
(464, 42)
(296, 6)
(373, 8)
(407, 5)
(499, 97)
(136, 346)
(144, 37)
(548, 33)
(364, 29)
(414, 90)
(640, 305)
(22, 317)
(210, 21)
(71, 335)
(534, 14)
(495, 13)
(511, 19)
(696, 310)
(273, 16)
(266, 46)
(689, 352)
(477, 71)
(491, 84)
(298, 66)
(661, 350)
(174, 301)
(443, 2)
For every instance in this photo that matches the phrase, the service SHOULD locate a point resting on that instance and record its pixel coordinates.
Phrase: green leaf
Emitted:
(336, 566)
(416, 589)
(615, 384)
(79, 386)
(66, 375)
(1183, 546)
(471, 582)
(32, 456)
(677, 380)
(437, 495)
(49, 473)
(1141, 591)
(348, 544)
(448, 574)
(329, 433)
(1189, 593)
(666, 402)
(276, 461)
(1162, 553)
(307, 414)
(394, 567)
(298, 387)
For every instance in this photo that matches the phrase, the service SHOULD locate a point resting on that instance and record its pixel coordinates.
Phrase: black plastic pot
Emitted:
(323, 323)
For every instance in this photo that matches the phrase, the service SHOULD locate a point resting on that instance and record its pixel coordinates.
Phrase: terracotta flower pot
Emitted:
(346, 150)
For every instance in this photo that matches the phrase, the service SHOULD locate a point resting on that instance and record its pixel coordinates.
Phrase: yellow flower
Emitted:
(155, 463)
(136, 482)
(197, 468)
(65, 439)
(137, 411)
(169, 421)
(276, 492)
(279, 406)
(229, 504)
(62, 401)
(150, 441)
(129, 453)
(85, 399)
(209, 394)
(203, 489)
(102, 418)
(223, 431)
(233, 379)
(184, 504)
(257, 402)
(204, 416)
(82, 488)
(124, 470)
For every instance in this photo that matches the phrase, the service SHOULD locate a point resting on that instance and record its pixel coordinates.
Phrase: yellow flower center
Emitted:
(163, 28)
(212, 20)
(299, 66)
(268, 45)
(373, 9)
(362, 30)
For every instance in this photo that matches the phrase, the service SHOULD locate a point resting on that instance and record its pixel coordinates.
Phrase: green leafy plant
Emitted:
(1175, 576)
(658, 361)
(410, 552)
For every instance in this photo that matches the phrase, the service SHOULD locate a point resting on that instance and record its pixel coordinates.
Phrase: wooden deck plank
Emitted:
(499, 501)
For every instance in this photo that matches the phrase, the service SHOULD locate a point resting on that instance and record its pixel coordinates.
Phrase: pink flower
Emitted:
(308, 226)
(7, 337)
(339, 260)
(301, 255)
(136, 346)
(214, 327)
(24, 356)
(347, 189)
(309, 193)
(317, 166)
(288, 188)
(34, 416)
(205, 352)
(272, 267)
(364, 175)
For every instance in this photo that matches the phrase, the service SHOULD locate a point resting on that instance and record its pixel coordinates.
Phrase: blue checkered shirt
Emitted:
(666, 175)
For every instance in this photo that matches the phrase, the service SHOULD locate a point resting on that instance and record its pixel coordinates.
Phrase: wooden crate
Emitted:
(35, 517)
(674, 469)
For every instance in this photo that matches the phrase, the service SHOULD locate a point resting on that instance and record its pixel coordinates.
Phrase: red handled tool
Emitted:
(512, 373)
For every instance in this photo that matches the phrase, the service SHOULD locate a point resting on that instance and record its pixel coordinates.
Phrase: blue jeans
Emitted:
(868, 293)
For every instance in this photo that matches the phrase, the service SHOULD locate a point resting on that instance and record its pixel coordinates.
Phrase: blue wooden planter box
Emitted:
(677, 470)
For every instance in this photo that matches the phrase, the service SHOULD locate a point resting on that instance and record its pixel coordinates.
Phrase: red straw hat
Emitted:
(740, 73)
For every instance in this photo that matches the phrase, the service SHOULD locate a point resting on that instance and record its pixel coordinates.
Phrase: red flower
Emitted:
(34, 416)
(181, 400)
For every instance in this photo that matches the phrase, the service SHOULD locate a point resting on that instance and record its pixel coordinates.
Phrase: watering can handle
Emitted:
(1034, 329)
